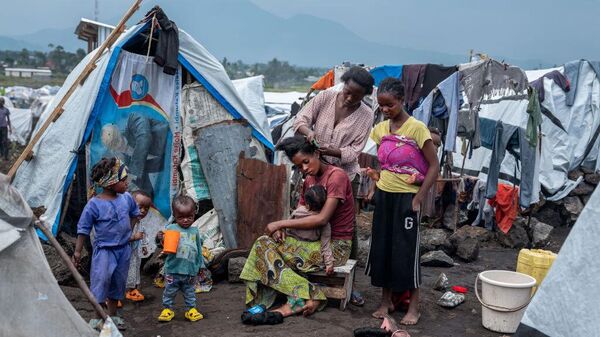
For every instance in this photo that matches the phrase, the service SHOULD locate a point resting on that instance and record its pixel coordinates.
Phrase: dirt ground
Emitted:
(223, 306)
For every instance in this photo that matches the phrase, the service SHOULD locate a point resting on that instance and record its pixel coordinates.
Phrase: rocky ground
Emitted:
(224, 304)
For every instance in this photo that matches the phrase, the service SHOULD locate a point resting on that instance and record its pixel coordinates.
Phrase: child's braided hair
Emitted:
(102, 168)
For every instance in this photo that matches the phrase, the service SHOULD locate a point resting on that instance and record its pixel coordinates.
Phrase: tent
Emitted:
(566, 303)
(32, 302)
(252, 93)
(20, 120)
(81, 129)
(561, 150)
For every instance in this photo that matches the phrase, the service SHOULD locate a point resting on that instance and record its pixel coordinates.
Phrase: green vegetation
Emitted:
(58, 60)
(279, 75)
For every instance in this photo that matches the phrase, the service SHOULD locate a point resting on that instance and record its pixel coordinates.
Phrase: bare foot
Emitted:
(310, 307)
(285, 310)
(411, 318)
(383, 310)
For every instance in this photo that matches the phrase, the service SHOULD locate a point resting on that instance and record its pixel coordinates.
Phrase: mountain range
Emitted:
(240, 30)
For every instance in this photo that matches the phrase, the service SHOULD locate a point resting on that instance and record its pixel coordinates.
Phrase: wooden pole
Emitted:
(78, 278)
(65, 207)
(58, 110)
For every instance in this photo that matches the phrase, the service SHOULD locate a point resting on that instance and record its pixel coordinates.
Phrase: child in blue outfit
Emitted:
(111, 214)
(181, 268)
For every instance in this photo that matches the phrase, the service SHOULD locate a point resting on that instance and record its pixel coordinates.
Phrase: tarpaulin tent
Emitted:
(20, 120)
(566, 303)
(562, 150)
(44, 180)
(32, 302)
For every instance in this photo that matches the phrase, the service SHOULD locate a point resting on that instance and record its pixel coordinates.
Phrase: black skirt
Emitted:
(394, 258)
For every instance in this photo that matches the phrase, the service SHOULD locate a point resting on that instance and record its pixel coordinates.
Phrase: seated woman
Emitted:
(277, 263)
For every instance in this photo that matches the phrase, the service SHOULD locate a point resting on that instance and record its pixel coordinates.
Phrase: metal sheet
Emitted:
(219, 146)
(263, 197)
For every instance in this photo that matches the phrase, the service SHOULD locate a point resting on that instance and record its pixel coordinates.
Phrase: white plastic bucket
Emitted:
(504, 297)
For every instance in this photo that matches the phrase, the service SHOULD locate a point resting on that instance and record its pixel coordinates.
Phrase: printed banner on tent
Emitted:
(139, 123)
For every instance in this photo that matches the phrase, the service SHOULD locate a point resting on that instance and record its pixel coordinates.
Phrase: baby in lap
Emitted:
(314, 198)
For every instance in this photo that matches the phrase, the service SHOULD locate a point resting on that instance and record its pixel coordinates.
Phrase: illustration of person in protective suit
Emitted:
(141, 145)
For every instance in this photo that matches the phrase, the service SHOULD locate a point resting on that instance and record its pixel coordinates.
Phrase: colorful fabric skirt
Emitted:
(274, 268)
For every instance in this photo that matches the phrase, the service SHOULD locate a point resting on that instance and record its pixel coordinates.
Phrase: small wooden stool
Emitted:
(339, 285)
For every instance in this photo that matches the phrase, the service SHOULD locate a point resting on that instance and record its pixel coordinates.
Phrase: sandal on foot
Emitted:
(134, 295)
(193, 315)
(166, 315)
(159, 282)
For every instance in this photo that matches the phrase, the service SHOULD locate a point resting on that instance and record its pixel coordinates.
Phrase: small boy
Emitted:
(182, 267)
(315, 198)
(139, 245)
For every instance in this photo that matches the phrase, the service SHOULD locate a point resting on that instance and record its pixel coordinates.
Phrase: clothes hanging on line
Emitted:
(167, 48)
(412, 78)
(535, 117)
(512, 138)
(443, 103)
(485, 79)
(555, 76)
(434, 75)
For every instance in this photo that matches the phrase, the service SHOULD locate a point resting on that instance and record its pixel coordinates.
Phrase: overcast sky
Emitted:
(555, 31)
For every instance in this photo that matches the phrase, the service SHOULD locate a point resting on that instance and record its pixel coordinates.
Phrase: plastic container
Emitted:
(171, 241)
(535, 263)
(504, 297)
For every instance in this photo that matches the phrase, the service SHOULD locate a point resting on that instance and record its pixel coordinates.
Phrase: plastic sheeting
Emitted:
(566, 303)
(251, 91)
(32, 302)
(44, 180)
(561, 152)
(20, 120)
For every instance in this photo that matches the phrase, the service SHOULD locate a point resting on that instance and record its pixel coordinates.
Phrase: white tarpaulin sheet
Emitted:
(566, 303)
(251, 91)
(32, 302)
(561, 152)
(20, 120)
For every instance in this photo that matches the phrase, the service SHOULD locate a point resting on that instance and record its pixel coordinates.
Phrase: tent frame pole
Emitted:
(78, 278)
(27, 153)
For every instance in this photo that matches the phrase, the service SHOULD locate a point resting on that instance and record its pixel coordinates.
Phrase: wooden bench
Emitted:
(339, 285)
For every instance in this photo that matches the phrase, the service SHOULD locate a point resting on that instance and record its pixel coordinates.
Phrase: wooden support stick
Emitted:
(65, 207)
(78, 278)
(112, 38)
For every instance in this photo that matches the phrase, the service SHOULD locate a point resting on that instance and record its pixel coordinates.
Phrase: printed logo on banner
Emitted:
(139, 123)
(139, 87)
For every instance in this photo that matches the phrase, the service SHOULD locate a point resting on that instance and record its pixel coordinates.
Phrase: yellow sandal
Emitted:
(193, 315)
(166, 315)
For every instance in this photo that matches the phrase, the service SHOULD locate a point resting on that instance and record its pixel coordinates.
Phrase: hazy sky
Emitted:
(555, 31)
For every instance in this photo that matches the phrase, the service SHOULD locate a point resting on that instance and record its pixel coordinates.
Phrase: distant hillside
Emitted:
(240, 30)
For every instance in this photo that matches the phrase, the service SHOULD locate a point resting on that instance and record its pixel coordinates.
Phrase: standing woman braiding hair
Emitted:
(409, 167)
(340, 122)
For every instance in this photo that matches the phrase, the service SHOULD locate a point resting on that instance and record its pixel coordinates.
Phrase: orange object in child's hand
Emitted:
(171, 241)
